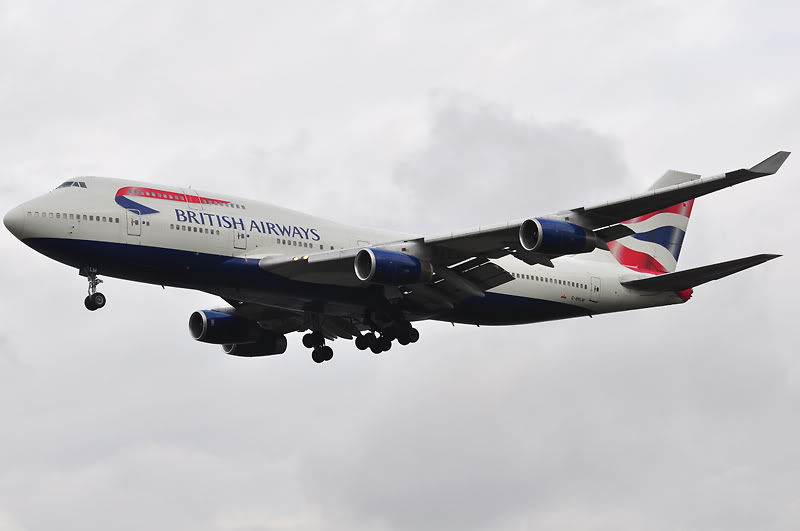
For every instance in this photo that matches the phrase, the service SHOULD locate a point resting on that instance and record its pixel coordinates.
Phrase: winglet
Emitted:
(772, 164)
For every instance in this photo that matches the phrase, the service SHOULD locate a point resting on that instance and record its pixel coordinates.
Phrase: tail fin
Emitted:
(656, 246)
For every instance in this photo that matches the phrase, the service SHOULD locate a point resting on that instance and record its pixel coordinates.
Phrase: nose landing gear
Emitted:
(95, 300)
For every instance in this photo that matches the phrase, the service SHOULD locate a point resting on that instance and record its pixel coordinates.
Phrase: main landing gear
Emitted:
(320, 352)
(403, 332)
(95, 300)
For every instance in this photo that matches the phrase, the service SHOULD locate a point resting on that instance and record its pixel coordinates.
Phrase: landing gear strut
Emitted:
(95, 300)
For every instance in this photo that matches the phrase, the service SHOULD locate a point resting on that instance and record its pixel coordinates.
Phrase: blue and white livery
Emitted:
(282, 271)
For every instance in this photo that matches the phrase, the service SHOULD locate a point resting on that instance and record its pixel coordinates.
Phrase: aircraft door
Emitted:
(192, 200)
(239, 239)
(594, 293)
(133, 222)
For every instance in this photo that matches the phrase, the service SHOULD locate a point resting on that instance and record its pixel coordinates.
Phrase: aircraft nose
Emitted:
(14, 220)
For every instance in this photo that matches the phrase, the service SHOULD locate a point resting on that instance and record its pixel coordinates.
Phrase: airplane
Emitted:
(282, 271)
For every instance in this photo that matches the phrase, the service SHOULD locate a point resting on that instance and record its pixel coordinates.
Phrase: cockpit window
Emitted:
(68, 184)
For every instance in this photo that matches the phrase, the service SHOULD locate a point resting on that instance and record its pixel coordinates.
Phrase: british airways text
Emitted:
(230, 222)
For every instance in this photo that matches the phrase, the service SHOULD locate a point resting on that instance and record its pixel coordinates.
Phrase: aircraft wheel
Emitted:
(98, 300)
(376, 349)
(327, 353)
(308, 340)
(384, 343)
(370, 339)
(403, 340)
(89, 303)
(317, 339)
(317, 355)
(361, 343)
(413, 335)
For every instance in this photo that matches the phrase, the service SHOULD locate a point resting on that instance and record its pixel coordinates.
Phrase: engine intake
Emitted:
(549, 236)
(390, 267)
(210, 326)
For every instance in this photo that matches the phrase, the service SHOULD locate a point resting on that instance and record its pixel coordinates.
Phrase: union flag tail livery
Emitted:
(282, 271)
(656, 246)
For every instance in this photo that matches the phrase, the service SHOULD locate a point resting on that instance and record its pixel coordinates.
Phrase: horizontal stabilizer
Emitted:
(690, 278)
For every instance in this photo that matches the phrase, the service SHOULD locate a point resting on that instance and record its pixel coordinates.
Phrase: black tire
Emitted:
(403, 340)
(318, 339)
(89, 303)
(317, 355)
(327, 353)
(413, 335)
(370, 339)
(98, 300)
(308, 340)
(376, 349)
(384, 343)
(361, 343)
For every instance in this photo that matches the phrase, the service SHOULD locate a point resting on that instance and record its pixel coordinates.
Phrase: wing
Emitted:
(462, 261)
(603, 219)
(283, 321)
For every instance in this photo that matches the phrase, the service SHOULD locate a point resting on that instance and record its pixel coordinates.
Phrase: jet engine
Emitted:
(391, 267)
(237, 335)
(210, 326)
(549, 236)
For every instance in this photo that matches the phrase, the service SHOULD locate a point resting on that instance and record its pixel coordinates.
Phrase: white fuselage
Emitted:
(190, 238)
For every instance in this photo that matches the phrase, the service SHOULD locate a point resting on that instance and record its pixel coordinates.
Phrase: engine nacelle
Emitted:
(549, 236)
(390, 267)
(219, 328)
(269, 344)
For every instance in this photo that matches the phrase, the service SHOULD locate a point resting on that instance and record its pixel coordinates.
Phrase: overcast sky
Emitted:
(421, 117)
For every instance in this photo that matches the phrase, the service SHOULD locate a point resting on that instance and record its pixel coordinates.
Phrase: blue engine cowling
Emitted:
(269, 344)
(549, 236)
(390, 267)
(219, 328)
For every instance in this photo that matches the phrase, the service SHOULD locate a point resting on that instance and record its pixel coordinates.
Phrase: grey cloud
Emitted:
(483, 164)
(669, 418)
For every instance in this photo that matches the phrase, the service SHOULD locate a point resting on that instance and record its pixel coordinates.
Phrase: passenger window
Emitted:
(206, 231)
(58, 216)
(183, 227)
(171, 225)
(104, 218)
(51, 214)
(294, 243)
(217, 233)
(91, 218)
(279, 240)
(331, 247)
(320, 247)
(84, 217)
(243, 207)
(195, 229)
(30, 214)
(36, 214)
